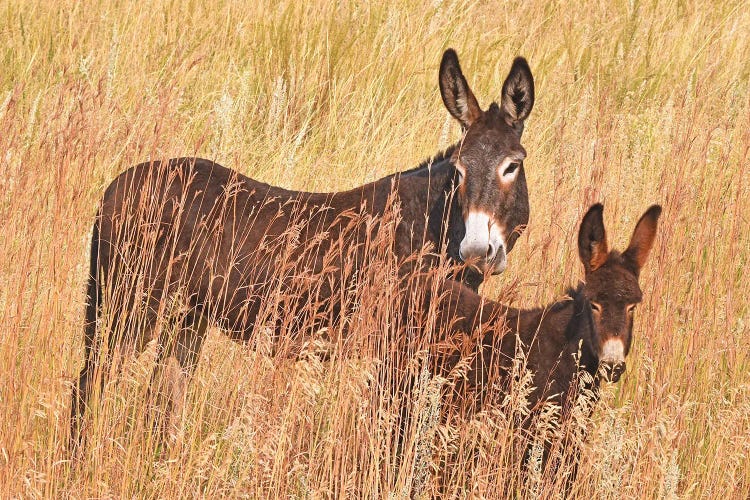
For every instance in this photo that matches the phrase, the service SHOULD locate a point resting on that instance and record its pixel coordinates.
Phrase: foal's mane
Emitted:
(574, 294)
(581, 311)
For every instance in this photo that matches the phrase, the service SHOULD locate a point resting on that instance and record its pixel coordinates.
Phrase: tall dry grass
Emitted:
(636, 103)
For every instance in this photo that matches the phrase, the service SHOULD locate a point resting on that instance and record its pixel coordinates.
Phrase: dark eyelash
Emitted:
(511, 168)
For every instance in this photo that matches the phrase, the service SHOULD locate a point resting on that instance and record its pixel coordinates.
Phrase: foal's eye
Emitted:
(597, 307)
(510, 169)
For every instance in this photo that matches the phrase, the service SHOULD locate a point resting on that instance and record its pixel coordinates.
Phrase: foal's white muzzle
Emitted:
(612, 359)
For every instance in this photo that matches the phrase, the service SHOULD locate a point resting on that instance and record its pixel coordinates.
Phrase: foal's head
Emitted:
(492, 186)
(612, 285)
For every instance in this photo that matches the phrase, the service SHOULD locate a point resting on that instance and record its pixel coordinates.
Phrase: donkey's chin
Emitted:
(499, 267)
(611, 372)
(487, 268)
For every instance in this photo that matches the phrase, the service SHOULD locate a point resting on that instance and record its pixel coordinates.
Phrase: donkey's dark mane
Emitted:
(581, 321)
(574, 295)
(441, 156)
(581, 310)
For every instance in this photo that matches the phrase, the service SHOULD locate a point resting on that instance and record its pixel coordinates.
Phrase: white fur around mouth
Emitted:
(481, 233)
(613, 351)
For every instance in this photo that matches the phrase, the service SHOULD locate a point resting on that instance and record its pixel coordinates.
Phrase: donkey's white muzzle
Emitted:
(483, 245)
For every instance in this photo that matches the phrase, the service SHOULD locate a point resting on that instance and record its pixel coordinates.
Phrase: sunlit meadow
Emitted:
(637, 103)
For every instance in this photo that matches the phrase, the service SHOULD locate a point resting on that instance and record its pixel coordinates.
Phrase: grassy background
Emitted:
(637, 103)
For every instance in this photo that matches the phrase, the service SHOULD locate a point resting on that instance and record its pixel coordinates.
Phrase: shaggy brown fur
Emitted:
(557, 341)
(220, 243)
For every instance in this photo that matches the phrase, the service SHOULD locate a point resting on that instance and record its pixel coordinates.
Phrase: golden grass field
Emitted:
(637, 103)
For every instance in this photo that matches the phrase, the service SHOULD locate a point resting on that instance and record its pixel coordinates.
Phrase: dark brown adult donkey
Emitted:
(590, 330)
(193, 231)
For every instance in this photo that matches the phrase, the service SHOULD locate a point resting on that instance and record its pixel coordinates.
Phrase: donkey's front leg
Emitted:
(176, 361)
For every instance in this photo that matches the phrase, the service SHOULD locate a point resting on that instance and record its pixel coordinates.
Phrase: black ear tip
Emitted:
(449, 57)
(596, 208)
(521, 69)
(594, 217)
(521, 63)
(654, 211)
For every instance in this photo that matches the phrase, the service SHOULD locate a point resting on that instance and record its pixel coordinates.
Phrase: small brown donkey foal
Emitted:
(589, 330)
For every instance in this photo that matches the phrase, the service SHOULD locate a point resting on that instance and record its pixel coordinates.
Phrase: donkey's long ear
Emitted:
(518, 93)
(592, 240)
(642, 239)
(457, 95)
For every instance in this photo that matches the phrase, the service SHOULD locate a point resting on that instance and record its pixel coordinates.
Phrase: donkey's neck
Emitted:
(430, 185)
(565, 327)
(580, 330)
(428, 202)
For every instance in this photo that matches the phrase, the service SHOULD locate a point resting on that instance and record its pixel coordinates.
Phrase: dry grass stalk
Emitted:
(636, 104)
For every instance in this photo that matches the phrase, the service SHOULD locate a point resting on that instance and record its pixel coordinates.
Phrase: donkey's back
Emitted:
(218, 238)
(165, 223)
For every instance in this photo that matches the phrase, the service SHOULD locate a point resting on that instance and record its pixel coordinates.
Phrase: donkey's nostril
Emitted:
(491, 252)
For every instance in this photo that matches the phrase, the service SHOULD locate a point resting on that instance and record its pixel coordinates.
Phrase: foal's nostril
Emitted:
(613, 370)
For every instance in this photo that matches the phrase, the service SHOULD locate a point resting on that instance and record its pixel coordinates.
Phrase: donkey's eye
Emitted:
(510, 169)
(461, 173)
(597, 307)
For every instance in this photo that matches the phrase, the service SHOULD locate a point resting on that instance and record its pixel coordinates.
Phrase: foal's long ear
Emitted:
(592, 240)
(642, 239)
(518, 93)
(457, 96)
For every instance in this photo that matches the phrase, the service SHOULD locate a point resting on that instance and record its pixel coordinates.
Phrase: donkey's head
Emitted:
(612, 285)
(492, 186)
